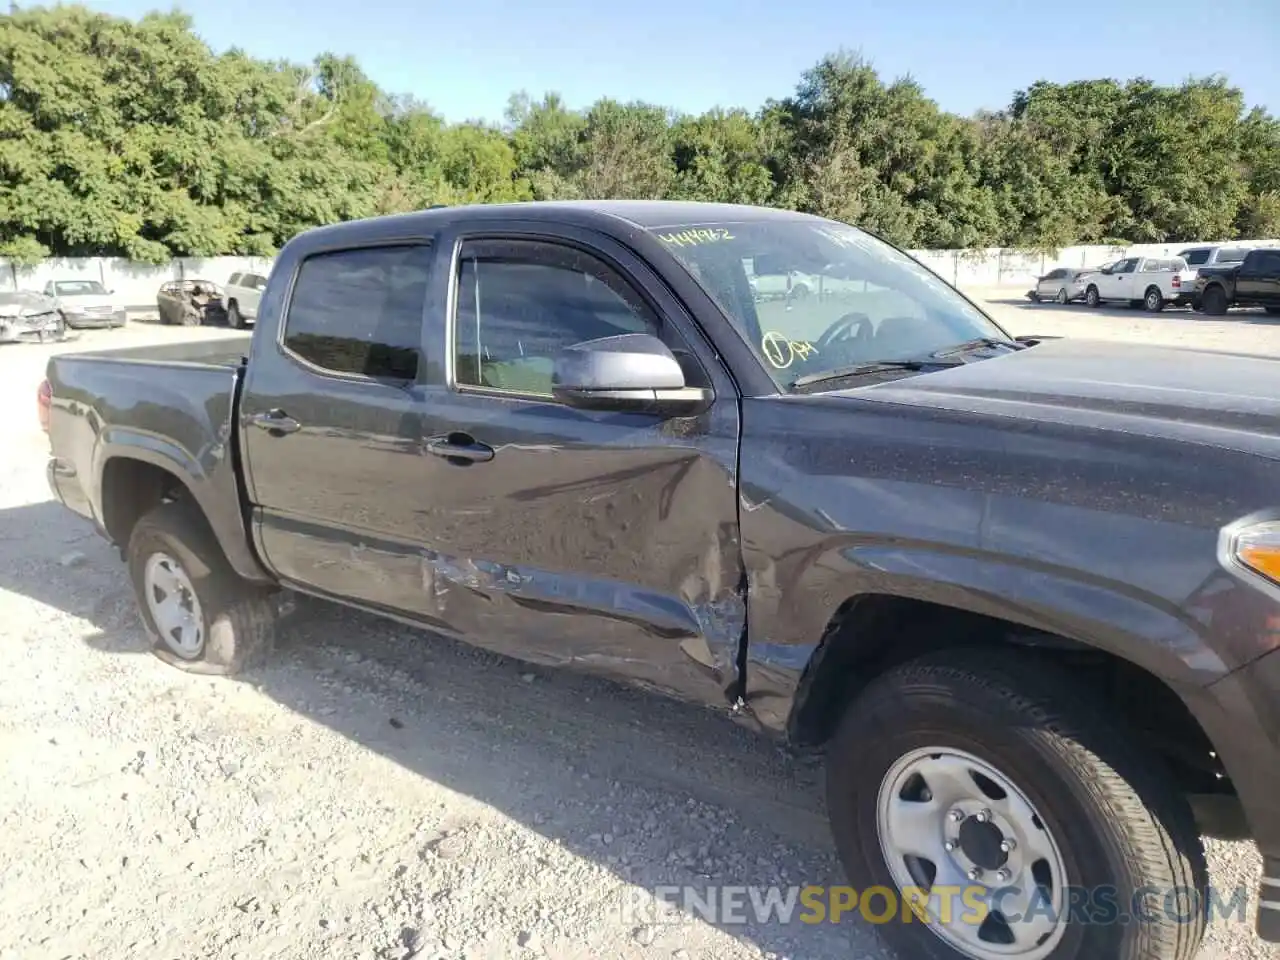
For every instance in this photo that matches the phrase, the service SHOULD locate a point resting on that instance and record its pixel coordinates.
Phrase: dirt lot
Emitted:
(375, 792)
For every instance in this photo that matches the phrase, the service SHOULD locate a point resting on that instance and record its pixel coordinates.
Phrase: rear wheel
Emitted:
(999, 777)
(1214, 301)
(1153, 300)
(1092, 298)
(200, 614)
(1035, 296)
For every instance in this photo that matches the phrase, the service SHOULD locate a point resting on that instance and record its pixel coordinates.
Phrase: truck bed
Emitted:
(171, 406)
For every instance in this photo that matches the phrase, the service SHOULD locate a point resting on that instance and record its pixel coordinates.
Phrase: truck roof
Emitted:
(648, 214)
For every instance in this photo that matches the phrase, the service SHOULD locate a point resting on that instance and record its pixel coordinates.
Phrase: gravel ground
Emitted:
(375, 792)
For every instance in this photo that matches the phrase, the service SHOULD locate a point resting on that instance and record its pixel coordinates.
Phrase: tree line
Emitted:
(134, 139)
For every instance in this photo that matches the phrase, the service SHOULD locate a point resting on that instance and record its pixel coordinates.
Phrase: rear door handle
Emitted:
(275, 422)
(460, 448)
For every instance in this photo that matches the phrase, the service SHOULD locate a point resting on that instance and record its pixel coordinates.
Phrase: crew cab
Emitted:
(1024, 593)
(1252, 282)
(1150, 282)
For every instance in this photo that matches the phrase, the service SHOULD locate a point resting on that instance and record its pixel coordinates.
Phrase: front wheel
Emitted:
(233, 315)
(1005, 806)
(1063, 296)
(200, 614)
(1092, 297)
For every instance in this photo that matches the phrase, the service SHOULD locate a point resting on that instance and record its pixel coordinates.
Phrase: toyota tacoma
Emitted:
(1023, 592)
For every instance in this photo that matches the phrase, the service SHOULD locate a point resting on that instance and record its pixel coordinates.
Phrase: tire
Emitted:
(1104, 809)
(1092, 298)
(236, 619)
(1214, 301)
(1153, 300)
(799, 292)
(1035, 296)
(1063, 297)
(233, 315)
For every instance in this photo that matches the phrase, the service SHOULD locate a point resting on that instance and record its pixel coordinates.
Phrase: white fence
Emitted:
(137, 283)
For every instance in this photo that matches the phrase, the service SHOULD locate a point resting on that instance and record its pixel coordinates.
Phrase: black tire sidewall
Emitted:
(1092, 298)
(1215, 302)
(1146, 301)
(233, 316)
(915, 722)
(1063, 296)
(149, 538)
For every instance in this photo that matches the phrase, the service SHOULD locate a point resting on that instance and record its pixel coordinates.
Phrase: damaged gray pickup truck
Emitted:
(1025, 593)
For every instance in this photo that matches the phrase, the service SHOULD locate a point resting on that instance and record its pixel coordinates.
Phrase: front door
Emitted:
(608, 541)
(1119, 284)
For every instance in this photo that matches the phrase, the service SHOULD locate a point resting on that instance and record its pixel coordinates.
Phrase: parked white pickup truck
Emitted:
(241, 296)
(1152, 282)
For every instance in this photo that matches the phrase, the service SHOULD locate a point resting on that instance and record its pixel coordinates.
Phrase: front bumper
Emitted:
(40, 329)
(1241, 715)
(116, 318)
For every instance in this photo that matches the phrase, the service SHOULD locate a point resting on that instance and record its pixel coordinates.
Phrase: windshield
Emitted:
(814, 296)
(78, 288)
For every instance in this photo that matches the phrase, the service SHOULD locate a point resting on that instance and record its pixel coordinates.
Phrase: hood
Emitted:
(1221, 399)
(22, 301)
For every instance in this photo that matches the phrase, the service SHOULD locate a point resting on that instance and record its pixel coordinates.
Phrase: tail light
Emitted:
(1177, 281)
(44, 399)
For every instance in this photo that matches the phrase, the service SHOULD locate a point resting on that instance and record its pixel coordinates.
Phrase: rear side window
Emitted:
(359, 312)
(1056, 274)
(1195, 258)
(235, 280)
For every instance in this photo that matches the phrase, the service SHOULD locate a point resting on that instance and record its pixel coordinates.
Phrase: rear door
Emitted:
(604, 540)
(1258, 283)
(1049, 285)
(332, 427)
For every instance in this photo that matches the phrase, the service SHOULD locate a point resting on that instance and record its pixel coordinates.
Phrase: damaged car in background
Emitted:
(1024, 593)
(25, 315)
(191, 303)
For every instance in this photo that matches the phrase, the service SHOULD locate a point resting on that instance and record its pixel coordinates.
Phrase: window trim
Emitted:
(451, 308)
(340, 376)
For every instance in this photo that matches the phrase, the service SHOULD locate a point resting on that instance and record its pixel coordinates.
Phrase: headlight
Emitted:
(1258, 548)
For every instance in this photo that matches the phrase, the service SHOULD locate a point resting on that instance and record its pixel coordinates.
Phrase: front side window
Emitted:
(520, 302)
(359, 312)
(851, 298)
(1232, 254)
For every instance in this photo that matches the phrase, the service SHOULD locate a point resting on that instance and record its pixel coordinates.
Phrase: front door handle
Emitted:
(275, 422)
(460, 448)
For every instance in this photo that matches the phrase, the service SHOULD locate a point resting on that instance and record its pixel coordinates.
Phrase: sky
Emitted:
(466, 58)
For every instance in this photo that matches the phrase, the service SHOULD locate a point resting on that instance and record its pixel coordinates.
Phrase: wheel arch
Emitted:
(871, 634)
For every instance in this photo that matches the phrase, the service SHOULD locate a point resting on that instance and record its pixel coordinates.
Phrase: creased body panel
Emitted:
(1104, 537)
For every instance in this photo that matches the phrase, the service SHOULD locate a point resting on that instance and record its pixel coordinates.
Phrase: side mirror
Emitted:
(632, 372)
